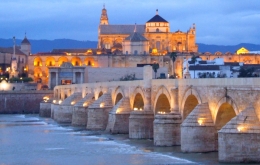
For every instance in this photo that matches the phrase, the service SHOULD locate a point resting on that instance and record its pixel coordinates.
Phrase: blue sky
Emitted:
(221, 22)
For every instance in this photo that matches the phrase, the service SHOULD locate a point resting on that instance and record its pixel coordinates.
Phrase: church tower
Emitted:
(104, 18)
(26, 46)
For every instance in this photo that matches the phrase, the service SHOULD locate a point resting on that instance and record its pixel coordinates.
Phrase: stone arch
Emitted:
(76, 61)
(137, 91)
(117, 91)
(162, 104)
(62, 60)
(50, 61)
(192, 97)
(37, 72)
(162, 91)
(37, 61)
(100, 94)
(227, 109)
(138, 102)
(89, 61)
(119, 96)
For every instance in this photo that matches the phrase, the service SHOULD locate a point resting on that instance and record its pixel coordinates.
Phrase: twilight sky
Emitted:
(221, 22)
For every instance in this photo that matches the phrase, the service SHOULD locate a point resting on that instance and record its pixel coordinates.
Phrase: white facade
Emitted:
(139, 47)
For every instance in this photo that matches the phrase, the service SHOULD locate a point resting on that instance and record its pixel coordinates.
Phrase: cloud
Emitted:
(217, 21)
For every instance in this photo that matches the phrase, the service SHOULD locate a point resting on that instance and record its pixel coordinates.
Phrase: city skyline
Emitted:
(220, 22)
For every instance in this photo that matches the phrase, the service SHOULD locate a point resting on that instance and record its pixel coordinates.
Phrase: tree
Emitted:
(155, 68)
(193, 60)
(173, 57)
(246, 72)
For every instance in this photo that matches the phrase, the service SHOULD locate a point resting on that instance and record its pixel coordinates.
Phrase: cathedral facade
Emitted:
(156, 31)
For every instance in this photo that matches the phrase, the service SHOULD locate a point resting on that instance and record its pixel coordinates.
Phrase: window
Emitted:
(158, 45)
(144, 52)
(126, 52)
(157, 30)
(136, 52)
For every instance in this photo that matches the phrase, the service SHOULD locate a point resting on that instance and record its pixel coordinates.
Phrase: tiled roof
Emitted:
(26, 41)
(10, 50)
(135, 37)
(121, 29)
(157, 18)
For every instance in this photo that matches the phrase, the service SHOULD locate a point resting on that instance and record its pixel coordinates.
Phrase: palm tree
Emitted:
(155, 68)
(173, 57)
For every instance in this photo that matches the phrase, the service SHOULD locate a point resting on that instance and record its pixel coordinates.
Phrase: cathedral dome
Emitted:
(157, 18)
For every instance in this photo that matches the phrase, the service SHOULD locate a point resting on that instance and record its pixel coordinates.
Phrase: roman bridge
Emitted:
(201, 115)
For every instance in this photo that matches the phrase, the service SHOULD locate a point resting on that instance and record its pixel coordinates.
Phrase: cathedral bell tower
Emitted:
(104, 18)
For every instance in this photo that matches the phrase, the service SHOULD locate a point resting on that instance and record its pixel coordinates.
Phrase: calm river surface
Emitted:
(31, 140)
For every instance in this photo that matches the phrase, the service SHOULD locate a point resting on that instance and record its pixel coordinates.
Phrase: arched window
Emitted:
(157, 30)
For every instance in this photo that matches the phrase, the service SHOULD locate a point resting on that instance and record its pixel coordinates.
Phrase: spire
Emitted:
(156, 11)
(104, 6)
(25, 35)
(135, 28)
(14, 48)
(104, 18)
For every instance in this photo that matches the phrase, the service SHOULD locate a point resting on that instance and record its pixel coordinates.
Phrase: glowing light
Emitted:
(85, 104)
(140, 109)
(3, 84)
(102, 105)
(240, 128)
(54, 101)
(45, 99)
(73, 102)
(60, 101)
(200, 122)
(135, 109)
(161, 112)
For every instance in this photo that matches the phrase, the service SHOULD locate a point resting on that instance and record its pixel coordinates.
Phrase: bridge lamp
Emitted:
(60, 101)
(240, 128)
(200, 121)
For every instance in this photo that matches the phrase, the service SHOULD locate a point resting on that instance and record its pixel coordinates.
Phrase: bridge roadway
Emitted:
(201, 115)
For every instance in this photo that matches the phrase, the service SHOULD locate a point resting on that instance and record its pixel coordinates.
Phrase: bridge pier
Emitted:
(118, 121)
(167, 129)
(63, 113)
(80, 110)
(141, 125)
(45, 109)
(98, 113)
(198, 132)
(54, 106)
(239, 139)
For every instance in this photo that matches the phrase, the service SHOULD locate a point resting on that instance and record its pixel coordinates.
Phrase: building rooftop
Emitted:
(157, 18)
(11, 50)
(26, 41)
(135, 37)
(121, 29)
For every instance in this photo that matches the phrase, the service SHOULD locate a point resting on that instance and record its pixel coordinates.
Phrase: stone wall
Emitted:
(114, 74)
(22, 101)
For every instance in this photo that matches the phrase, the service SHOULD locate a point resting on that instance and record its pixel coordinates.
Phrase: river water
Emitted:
(31, 140)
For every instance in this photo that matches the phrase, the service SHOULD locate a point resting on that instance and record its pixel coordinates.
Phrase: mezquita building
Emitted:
(153, 37)
(127, 47)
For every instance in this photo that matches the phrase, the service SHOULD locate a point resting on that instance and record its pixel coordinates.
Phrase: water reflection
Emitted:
(29, 140)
